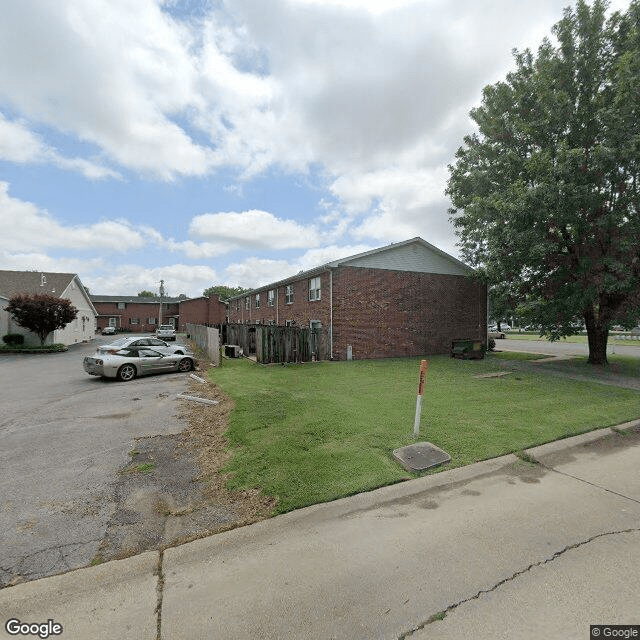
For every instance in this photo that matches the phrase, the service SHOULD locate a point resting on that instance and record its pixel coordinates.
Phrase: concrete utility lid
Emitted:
(421, 456)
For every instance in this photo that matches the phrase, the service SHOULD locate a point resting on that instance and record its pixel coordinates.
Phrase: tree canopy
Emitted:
(41, 313)
(146, 294)
(224, 292)
(545, 193)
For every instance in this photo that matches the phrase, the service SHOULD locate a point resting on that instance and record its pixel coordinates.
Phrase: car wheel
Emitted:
(126, 372)
(185, 365)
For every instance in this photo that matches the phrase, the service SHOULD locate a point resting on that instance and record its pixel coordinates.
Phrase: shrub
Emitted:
(492, 344)
(13, 339)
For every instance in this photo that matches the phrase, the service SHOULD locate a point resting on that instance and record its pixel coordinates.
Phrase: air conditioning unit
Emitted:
(232, 350)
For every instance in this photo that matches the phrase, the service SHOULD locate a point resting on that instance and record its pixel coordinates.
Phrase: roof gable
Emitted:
(34, 282)
(414, 255)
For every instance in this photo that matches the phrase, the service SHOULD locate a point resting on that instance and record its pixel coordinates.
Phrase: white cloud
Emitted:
(27, 228)
(254, 229)
(129, 279)
(19, 145)
(35, 261)
(256, 272)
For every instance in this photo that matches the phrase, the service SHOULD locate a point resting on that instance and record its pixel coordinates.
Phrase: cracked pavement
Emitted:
(500, 549)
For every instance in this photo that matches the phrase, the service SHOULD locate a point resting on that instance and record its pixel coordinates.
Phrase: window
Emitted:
(314, 288)
(152, 320)
(121, 305)
(134, 320)
(257, 300)
(247, 303)
(288, 296)
(288, 323)
(112, 322)
(271, 297)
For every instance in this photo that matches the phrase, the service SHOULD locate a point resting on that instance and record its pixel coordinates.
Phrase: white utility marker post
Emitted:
(421, 381)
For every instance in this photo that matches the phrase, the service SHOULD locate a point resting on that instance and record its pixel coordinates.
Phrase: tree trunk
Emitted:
(597, 336)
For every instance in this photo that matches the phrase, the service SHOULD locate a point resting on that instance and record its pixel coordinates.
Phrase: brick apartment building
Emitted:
(405, 299)
(143, 314)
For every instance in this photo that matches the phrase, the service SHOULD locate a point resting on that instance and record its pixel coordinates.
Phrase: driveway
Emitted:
(70, 444)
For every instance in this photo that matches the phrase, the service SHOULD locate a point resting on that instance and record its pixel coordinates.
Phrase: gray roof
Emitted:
(136, 299)
(32, 282)
(394, 257)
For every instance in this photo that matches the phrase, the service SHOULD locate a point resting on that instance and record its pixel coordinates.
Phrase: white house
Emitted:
(61, 285)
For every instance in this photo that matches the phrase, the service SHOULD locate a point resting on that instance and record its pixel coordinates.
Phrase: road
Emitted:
(64, 438)
(562, 347)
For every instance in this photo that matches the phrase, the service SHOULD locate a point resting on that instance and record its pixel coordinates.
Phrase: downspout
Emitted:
(277, 306)
(331, 314)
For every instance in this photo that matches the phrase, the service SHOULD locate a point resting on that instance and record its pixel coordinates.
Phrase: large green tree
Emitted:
(223, 291)
(41, 313)
(545, 193)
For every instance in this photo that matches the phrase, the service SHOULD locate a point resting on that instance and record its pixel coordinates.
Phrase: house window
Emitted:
(247, 303)
(288, 296)
(288, 323)
(134, 320)
(314, 288)
(121, 305)
(113, 322)
(152, 321)
(257, 300)
(271, 297)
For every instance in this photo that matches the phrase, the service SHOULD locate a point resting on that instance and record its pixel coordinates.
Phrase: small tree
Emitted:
(41, 313)
(146, 294)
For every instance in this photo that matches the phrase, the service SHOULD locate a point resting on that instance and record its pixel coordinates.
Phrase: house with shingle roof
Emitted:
(61, 285)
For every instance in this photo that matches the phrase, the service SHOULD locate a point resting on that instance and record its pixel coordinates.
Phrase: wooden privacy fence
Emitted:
(277, 344)
(208, 339)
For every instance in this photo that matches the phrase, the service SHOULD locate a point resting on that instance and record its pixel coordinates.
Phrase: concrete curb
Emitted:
(336, 508)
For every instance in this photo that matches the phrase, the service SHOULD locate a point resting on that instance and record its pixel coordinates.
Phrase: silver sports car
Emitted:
(129, 363)
(141, 341)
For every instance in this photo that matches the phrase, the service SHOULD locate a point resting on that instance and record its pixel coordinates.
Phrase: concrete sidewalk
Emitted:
(499, 549)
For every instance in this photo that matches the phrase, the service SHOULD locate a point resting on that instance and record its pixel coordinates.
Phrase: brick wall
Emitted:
(301, 310)
(385, 314)
(135, 315)
(380, 313)
(202, 311)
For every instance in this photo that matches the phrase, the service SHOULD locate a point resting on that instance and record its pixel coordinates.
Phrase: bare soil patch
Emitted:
(172, 491)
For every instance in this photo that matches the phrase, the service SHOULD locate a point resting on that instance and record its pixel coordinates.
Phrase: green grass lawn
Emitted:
(315, 432)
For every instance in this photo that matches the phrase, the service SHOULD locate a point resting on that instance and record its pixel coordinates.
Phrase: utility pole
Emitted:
(161, 297)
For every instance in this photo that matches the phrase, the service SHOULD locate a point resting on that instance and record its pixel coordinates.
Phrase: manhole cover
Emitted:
(421, 456)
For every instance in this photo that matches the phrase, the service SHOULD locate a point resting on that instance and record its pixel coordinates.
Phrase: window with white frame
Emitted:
(314, 288)
(152, 321)
(122, 305)
(288, 295)
(113, 322)
(247, 303)
(257, 301)
(271, 297)
(134, 320)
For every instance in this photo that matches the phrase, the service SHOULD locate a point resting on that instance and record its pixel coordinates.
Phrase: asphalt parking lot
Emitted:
(65, 439)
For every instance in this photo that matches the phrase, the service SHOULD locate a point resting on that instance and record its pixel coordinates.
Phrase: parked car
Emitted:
(109, 331)
(496, 334)
(144, 341)
(127, 364)
(166, 332)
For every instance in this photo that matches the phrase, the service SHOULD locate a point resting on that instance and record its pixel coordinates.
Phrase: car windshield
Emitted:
(166, 327)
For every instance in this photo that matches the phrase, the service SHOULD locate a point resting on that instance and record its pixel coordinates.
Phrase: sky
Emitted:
(237, 142)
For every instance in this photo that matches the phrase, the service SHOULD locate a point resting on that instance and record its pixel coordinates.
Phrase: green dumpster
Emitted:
(467, 349)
